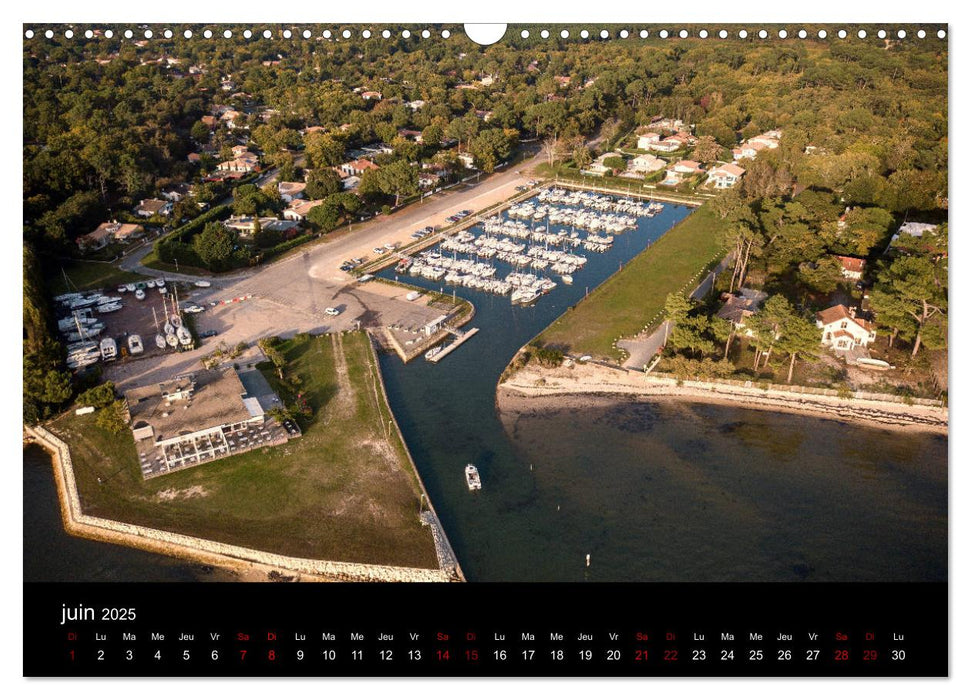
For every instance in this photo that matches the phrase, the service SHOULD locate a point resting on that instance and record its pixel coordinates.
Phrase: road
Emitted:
(293, 294)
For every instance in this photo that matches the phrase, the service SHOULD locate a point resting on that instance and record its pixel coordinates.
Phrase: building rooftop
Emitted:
(188, 403)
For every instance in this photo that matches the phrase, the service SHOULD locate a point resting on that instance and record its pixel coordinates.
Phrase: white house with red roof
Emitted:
(682, 170)
(357, 167)
(299, 208)
(724, 176)
(842, 330)
(851, 266)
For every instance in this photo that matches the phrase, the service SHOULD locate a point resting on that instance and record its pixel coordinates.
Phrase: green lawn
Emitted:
(630, 299)
(344, 491)
(89, 275)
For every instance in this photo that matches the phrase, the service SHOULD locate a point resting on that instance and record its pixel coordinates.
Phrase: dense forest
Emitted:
(108, 122)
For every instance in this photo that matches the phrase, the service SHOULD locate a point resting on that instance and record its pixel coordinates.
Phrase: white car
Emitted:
(193, 309)
(331, 311)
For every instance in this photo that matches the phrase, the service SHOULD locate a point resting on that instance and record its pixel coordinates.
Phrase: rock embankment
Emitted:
(202, 550)
(591, 379)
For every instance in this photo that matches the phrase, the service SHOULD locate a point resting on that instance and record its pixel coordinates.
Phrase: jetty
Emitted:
(460, 337)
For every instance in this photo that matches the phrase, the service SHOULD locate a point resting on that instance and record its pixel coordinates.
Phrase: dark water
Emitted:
(50, 554)
(676, 491)
(658, 492)
(653, 491)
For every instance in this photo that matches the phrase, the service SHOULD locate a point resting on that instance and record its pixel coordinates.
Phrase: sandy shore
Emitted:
(580, 386)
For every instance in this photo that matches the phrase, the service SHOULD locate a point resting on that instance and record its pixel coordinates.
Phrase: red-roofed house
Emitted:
(842, 330)
(357, 167)
(852, 267)
(725, 176)
(682, 170)
(298, 209)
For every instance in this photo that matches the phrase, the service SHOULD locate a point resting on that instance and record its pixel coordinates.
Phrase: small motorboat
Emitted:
(472, 477)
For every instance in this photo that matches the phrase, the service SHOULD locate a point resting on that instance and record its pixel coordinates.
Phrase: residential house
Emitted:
(298, 209)
(646, 141)
(314, 130)
(356, 167)
(177, 192)
(410, 134)
(371, 95)
(415, 105)
(842, 330)
(428, 180)
(290, 191)
(911, 229)
(667, 124)
(467, 160)
(751, 147)
(851, 266)
(724, 176)
(562, 80)
(106, 233)
(242, 162)
(646, 163)
(350, 183)
(681, 171)
(741, 306)
(153, 207)
(246, 225)
(211, 121)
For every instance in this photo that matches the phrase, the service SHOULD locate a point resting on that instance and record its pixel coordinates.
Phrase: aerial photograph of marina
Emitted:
(378, 303)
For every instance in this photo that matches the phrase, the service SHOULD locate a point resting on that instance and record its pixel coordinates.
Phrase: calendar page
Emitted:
(537, 350)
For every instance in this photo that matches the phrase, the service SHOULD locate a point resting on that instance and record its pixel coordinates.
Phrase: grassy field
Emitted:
(626, 302)
(90, 275)
(344, 491)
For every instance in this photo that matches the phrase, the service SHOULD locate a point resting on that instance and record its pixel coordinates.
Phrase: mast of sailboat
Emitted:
(155, 318)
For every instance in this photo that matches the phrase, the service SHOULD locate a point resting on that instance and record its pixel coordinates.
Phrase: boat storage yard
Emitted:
(135, 320)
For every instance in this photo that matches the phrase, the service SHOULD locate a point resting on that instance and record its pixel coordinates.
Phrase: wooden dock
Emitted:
(459, 339)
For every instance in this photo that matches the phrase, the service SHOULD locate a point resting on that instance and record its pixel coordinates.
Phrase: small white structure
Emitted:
(841, 330)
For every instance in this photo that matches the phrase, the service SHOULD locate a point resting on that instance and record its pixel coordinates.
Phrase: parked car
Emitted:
(378, 250)
(193, 309)
(208, 334)
(331, 311)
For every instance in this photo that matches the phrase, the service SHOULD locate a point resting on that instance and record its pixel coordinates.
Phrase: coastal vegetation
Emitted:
(344, 491)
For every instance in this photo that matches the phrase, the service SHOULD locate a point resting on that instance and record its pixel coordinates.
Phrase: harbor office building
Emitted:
(200, 417)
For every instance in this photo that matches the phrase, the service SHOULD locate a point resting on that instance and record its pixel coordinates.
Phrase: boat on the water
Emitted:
(432, 352)
(567, 279)
(472, 477)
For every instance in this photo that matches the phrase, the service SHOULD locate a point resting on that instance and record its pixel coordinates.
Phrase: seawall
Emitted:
(580, 380)
(201, 550)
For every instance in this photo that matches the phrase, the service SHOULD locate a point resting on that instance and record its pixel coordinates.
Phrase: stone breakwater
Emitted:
(591, 379)
(198, 549)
